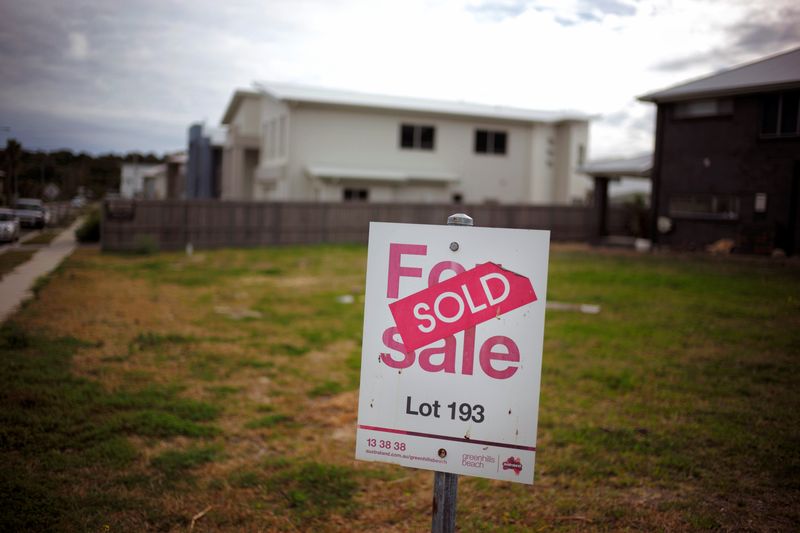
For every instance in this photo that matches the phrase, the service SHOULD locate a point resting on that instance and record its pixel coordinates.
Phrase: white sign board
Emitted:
(452, 348)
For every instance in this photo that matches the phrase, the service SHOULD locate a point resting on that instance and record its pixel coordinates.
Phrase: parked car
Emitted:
(9, 225)
(31, 213)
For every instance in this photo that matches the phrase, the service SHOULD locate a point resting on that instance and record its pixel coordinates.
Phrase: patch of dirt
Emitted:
(340, 411)
(252, 281)
(236, 313)
(299, 282)
(257, 390)
(329, 362)
(94, 306)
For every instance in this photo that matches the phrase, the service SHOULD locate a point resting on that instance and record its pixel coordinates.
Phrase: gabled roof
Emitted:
(776, 72)
(316, 95)
(236, 100)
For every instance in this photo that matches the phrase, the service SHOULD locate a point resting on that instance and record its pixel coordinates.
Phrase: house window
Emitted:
(490, 142)
(780, 114)
(710, 206)
(712, 107)
(355, 195)
(416, 137)
(760, 204)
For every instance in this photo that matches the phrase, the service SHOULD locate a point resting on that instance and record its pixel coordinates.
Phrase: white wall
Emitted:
(542, 176)
(539, 165)
(579, 183)
(333, 191)
(247, 120)
(573, 186)
(132, 179)
(238, 166)
(370, 139)
(155, 186)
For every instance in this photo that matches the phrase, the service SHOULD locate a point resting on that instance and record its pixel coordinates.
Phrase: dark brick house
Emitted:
(727, 158)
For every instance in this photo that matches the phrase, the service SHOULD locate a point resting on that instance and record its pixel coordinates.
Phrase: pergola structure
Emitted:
(604, 171)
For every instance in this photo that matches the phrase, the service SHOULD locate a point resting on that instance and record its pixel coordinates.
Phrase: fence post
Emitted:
(186, 242)
(276, 235)
(445, 484)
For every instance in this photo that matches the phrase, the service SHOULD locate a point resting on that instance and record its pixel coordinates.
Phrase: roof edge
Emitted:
(236, 100)
(341, 98)
(654, 97)
(566, 117)
(733, 91)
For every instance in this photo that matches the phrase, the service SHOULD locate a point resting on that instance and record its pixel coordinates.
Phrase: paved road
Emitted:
(15, 287)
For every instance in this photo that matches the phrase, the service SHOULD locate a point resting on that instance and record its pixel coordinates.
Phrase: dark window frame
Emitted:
(723, 107)
(491, 142)
(776, 108)
(705, 206)
(355, 194)
(417, 136)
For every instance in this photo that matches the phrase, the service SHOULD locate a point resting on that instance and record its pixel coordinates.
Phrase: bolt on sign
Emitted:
(452, 349)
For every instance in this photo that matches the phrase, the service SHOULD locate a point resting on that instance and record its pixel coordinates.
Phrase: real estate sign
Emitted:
(452, 348)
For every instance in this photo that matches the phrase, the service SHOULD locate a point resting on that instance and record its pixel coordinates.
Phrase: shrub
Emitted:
(89, 231)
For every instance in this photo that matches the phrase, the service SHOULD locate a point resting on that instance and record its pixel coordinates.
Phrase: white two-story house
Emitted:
(294, 143)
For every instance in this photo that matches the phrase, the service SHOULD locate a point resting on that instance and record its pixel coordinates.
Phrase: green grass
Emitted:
(160, 424)
(222, 391)
(245, 478)
(44, 237)
(674, 408)
(164, 400)
(326, 388)
(313, 489)
(174, 463)
(268, 421)
(150, 339)
(56, 428)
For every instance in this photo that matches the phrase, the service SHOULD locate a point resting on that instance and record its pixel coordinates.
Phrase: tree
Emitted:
(12, 155)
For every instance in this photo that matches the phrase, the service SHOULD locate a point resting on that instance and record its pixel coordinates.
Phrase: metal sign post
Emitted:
(445, 484)
(445, 493)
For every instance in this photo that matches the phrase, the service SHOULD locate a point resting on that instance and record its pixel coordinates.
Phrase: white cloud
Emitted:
(78, 46)
(176, 62)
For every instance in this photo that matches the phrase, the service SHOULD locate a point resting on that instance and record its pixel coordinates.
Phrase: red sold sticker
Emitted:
(458, 303)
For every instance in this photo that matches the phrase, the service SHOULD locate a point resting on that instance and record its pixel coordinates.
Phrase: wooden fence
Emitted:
(168, 224)
(61, 213)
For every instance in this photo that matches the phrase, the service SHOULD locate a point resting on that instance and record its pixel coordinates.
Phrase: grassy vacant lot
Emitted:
(218, 392)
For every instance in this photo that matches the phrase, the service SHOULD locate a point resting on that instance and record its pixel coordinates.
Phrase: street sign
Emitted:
(51, 191)
(452, 349)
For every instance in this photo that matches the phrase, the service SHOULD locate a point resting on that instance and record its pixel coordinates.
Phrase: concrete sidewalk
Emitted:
(16, 286)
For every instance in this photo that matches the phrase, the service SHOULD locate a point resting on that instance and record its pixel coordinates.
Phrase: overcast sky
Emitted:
(112, 75)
